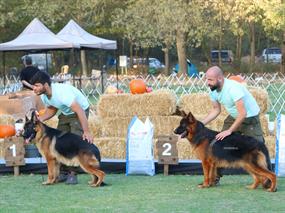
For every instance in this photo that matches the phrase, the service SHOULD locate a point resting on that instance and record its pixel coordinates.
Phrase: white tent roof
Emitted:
(36, 36)
(72, 32)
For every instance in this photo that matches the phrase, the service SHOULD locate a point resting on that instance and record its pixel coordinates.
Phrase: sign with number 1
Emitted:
(14, 151)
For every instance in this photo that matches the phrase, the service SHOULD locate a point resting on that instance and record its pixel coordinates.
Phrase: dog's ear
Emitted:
(26, 118)
(191, 117)
(183, 114)
(179, 112)
(34, 117)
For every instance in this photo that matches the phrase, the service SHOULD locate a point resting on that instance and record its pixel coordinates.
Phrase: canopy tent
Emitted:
(36, 36)
(73, 33)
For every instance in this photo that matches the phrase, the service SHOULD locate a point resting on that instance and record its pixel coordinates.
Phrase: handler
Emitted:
(28, 72)
(238, 101)
(72, 105)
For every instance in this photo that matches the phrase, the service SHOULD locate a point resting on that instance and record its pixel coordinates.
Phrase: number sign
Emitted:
(167, 149)
(14, 151)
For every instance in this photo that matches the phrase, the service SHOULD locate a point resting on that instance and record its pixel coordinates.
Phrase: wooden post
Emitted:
(165, 169)
(16, 171)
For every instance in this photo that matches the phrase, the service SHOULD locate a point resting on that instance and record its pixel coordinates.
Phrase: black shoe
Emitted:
(71, 179)
(61, 178)
(217, 181)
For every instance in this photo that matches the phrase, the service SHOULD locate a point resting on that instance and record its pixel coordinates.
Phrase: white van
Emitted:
(272, 55)
(227, 56)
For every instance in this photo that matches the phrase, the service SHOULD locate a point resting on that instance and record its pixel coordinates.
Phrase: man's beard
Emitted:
(215, 87)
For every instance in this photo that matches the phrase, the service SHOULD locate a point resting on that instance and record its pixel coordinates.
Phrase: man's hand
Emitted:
(87, 136)
(223, 134)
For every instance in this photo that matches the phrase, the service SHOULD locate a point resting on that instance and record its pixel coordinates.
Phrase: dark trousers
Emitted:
(70, 123)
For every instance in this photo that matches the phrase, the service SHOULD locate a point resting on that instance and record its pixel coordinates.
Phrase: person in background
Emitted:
(28, 72)
(72, 105)
(239, 103)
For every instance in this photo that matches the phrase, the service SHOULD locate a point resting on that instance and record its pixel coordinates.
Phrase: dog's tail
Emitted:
(264, 150)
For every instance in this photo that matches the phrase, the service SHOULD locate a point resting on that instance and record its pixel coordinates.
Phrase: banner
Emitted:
(280, 146)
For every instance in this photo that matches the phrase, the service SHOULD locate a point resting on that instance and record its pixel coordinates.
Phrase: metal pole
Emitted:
(46, 62)
(117, 69)
(4, 69)
(103, 76)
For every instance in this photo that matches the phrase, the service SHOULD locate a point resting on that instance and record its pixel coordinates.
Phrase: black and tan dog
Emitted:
(63, 148)
(234, 151)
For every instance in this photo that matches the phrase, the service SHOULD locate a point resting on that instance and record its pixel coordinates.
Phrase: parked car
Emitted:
(272, 55)
(227, 56)
(155, 63)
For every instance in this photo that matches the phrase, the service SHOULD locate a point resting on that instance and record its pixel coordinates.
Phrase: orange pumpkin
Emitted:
(137, 86)
(7, 131)
(237, 78)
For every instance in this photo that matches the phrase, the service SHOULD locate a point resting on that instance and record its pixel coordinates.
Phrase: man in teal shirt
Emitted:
(240, 104)
(72, 105)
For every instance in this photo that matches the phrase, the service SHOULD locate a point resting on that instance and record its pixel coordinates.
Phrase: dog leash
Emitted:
(213, 142)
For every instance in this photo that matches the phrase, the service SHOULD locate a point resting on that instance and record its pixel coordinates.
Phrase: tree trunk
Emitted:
(283, 54)
(252, 45)
(220, 39)
(181, 51)
(83, 62)
(167, 70)
(238, 48)
(131, 54)
(283, 49)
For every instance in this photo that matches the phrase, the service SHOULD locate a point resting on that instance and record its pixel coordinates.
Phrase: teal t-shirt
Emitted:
(231, 92)
(63, 95)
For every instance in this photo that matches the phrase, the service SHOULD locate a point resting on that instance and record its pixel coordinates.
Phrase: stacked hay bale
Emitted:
(115, 112)
(200, 104)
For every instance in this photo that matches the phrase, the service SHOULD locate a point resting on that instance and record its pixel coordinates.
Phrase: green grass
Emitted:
(174, 193)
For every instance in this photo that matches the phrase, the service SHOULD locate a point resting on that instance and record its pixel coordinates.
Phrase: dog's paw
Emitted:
(202, 185)
(47, 183)
(272, 190)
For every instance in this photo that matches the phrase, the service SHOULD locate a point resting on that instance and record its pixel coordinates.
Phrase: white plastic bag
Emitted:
(280, 147)
(139, 159)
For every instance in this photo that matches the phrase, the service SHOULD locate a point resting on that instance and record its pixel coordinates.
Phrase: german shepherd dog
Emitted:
(63, 148)
(234, 151)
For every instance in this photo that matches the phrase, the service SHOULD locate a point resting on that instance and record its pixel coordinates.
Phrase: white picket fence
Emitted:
(94, 86)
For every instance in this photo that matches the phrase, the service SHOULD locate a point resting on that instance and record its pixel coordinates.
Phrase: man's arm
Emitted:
(24, 82)
(240, 118)
(75, 107)
(213, 113)
(49, 113)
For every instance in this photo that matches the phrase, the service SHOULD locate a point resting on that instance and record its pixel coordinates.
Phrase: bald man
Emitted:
(240, 104)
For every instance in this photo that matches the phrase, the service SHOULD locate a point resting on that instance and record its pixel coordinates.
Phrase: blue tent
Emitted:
(191, 69)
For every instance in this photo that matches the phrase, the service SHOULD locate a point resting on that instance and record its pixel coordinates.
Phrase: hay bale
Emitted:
(185, 151)
(197, 104)
(264, 125)
(111, 147)
(261, 97)
(2, 148)
(160, 102)
(270, 142)
(95, 128)
(7, 119)
(200, 103)
(118, 127)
